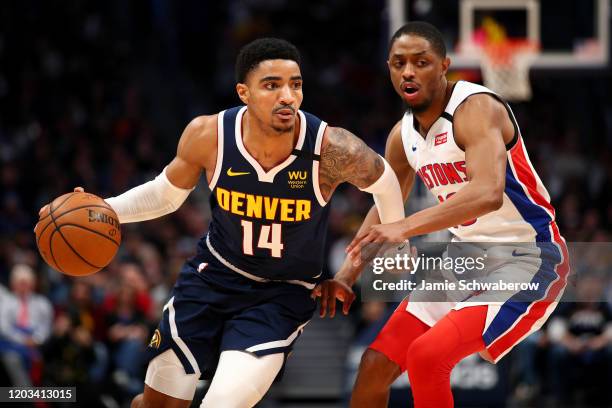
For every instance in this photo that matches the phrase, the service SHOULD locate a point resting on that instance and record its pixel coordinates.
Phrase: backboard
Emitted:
(572, 34)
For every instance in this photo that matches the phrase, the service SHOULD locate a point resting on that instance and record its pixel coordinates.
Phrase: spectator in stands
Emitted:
(581, 346)
(82, 311)
(68, 354)
(73, 358)
(25, 324)
(127, 334)
(130, 274)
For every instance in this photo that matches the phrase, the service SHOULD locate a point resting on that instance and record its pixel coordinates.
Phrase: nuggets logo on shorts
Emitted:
(155, 340)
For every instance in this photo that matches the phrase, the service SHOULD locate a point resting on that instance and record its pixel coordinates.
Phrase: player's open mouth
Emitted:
(411, 90)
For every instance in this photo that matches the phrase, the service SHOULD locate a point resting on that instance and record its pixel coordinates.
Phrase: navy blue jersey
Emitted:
(268, 225)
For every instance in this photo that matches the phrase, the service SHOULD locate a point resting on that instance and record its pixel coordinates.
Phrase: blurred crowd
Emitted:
(96, 95)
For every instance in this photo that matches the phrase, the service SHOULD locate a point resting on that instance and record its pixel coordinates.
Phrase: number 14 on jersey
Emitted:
(270, 237)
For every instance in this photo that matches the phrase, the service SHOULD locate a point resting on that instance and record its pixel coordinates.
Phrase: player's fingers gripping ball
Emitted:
(78, 234)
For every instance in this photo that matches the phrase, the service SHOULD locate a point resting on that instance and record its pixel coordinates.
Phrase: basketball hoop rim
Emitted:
(503, 52)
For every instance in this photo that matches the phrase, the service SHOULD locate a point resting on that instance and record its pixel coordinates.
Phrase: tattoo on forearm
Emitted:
(347, 158)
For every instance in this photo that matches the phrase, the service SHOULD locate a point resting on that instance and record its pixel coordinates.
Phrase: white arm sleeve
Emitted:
(387, 195)
(150, 200)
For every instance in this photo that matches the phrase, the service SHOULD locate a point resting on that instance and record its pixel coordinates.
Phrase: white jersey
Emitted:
(525, 215)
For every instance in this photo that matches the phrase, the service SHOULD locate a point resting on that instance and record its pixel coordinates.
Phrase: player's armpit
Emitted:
(346, 158)
(197, 150)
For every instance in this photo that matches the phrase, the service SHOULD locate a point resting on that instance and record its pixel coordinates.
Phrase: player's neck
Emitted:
(267, 146)
(428, 117)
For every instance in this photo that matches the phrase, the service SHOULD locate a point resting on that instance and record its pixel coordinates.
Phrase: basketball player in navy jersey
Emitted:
(465, 144)
(240, 303)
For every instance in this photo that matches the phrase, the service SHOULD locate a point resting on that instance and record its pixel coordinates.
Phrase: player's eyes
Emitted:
(422, 63)
(297, 85)
(270, 85)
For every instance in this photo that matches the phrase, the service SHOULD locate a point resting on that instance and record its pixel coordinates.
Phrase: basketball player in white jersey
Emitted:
(464, 143)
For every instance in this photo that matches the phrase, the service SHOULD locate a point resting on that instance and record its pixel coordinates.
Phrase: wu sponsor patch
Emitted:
(297, 179)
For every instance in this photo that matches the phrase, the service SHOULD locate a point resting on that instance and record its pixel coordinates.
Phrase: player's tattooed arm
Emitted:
(346, 158)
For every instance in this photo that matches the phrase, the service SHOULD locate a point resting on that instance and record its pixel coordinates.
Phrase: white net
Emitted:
(505, 70)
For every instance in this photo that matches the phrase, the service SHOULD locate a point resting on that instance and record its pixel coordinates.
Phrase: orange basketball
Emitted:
(78, 234)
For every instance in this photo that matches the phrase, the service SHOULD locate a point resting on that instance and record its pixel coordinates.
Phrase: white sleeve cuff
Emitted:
(387, 195)
(150, 200)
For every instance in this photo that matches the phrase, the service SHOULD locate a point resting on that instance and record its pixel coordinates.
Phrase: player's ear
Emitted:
(445, 65)
(243, 92)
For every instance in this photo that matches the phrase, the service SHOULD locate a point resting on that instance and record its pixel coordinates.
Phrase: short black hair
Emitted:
(263, 49)
(424, 30)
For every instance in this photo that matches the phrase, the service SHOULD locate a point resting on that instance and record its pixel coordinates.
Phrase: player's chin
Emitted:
(417, 105)
(282, 129)
(283, 126)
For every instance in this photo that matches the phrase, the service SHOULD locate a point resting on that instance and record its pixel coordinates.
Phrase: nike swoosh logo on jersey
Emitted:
(414, 148)
(514, 253)
(237, 173)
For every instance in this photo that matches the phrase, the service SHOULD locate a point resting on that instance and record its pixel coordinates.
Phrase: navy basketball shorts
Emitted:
(213, 309)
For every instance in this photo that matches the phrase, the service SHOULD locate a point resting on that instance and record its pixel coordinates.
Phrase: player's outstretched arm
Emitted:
(478, 130)
(167, 192)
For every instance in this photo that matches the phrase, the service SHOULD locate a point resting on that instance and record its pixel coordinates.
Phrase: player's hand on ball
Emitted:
(330, 290)
(45, 207)
(367, 244)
